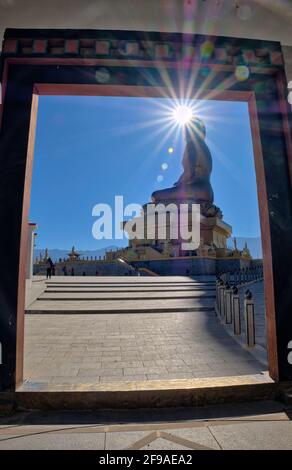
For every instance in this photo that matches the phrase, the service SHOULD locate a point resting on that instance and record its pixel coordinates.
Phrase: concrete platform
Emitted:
(129, 337)
(261, 425)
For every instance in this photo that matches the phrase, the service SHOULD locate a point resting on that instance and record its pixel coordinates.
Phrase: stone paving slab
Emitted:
(84, 348)
(34, 289)
(56, 441)
(129, 339)
(218, 430)
(253, 436)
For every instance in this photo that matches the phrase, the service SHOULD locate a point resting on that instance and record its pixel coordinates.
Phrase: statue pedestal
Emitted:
(214, 231)
(163, 228)
(164, 255)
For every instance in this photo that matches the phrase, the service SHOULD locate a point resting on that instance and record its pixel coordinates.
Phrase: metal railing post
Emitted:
(235, 302)
(249, 319)
(221, 298)
(217, 294)
(228, 307)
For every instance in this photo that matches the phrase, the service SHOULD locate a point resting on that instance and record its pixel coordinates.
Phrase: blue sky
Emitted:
(89, 149)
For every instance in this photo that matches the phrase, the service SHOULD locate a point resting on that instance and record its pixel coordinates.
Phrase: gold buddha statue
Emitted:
(194, 184)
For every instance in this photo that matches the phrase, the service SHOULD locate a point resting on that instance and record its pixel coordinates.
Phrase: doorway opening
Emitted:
(102, 308)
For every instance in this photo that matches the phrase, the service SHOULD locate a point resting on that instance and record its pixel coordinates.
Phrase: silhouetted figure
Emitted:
(84, 273)
(194, 184)
(72, 272)
(49, 268)
(64, 271)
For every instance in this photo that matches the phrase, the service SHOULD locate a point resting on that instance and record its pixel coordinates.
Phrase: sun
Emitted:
(182, 114)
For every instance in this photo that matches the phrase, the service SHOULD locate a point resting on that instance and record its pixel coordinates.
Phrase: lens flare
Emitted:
(207, 50)
(182, 115)
(244, 12)
(242, 73)
(290, 92)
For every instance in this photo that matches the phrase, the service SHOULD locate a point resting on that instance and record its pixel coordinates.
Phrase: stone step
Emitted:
(114, 290)
(120, 295)
(129, 279)
(123, 296)
(110, 311)
(132, 305)
(130, 284)
(179, 394)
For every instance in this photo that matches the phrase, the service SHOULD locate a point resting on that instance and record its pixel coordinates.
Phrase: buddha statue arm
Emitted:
(184, 178)
(187, 173)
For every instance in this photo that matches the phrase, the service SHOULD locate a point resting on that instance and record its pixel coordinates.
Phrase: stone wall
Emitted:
(179, 266)
(163, 267)
(223, 265)
(90, 268)
(192, 266)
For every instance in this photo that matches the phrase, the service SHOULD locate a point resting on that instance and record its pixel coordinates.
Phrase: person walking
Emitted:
(49, 268)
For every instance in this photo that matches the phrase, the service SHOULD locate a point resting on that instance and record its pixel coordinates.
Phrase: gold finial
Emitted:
(73, 253)
(245, 251)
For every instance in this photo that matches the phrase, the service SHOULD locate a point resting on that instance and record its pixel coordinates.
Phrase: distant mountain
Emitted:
(254, 244)
(57, 253)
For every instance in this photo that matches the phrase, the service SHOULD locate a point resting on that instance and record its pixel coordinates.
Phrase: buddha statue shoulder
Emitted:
(194, 184)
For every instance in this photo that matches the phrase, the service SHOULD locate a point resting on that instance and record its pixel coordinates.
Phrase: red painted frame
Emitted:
(162, 52)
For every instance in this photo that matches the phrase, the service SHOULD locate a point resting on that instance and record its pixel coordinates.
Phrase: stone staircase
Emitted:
(125, 295)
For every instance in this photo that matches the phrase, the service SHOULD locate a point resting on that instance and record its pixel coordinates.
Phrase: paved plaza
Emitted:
(171, 333)
(264, 425)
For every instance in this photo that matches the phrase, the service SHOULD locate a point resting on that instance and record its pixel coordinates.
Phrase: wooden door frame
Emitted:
(21, 88)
